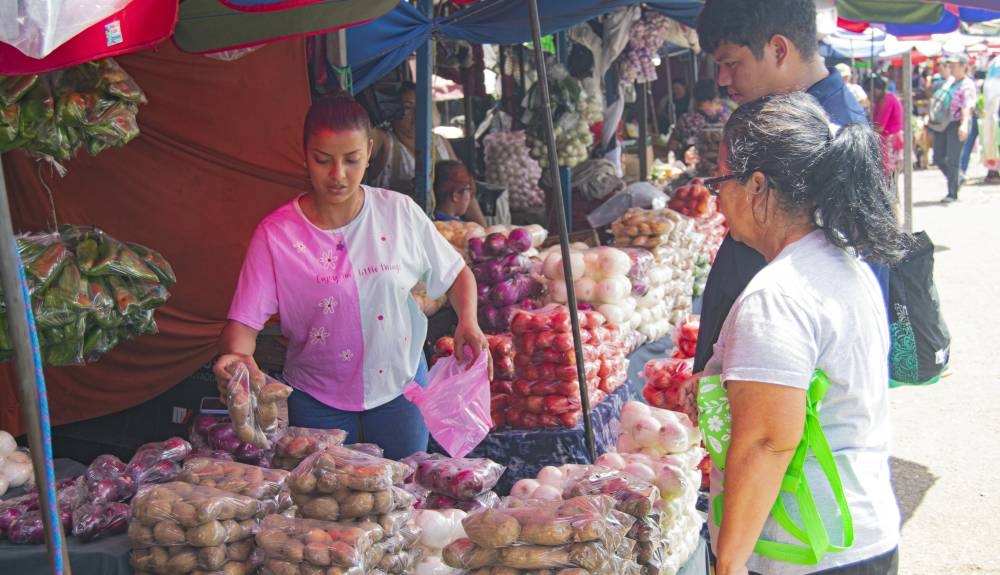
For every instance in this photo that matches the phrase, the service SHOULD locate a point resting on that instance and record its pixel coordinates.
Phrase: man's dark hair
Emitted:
(444, 171)
(752, 23)
(705, 90)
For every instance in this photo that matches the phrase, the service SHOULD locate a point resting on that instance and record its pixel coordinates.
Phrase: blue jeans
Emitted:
(397, 427)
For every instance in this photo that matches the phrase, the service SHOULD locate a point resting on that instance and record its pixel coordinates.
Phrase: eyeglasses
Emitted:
(713, 183)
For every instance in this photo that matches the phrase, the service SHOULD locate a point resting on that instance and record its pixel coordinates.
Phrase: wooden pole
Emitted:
(908, 141)
(423, 143)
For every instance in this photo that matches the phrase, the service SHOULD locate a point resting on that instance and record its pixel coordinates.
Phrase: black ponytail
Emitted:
(852, 203)
(835, 180)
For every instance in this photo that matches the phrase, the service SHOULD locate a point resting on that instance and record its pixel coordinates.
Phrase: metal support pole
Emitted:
(470, 125)
(640, 94)
(671, 109)
(565, 174)
(550, 139)
(30, 384)
(423, 141)
(908, 141)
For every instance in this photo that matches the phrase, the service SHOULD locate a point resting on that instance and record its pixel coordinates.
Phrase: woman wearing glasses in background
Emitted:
(809, 201)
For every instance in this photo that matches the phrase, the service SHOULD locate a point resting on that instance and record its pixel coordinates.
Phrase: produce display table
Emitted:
(108, 556)
(653, 350)
(525, 452)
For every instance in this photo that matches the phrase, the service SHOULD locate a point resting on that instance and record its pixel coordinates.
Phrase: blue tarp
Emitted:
(377, 47)
(948, 23)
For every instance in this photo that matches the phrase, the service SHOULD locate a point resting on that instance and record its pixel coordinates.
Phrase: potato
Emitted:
(307, 569)
(139, 535)
(185, 561)
(317, 554)
(141, 559)
(328, 482)
(293, 550)
(273, 392)
(302, 483)
(267, 415)
(383, 502)
(325, 508)
(357, 505)
(465, 554)
(169, 533)
(208, 535)
(492, 528)
(159, 558)
(540, 533)
(343, 553)
(233, 530)
(212, 558)
(235, 568)
(590, 556)
(149, 512)
(534, 557)
(395, 564)
(240, 551)
(271, 540)
(276, 567)
(187, 514)
(247, 528)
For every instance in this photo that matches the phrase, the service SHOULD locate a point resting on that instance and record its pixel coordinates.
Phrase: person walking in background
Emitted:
(887, 118)
(707, 110)
(857, 91)
(970, 142)
(950, 118)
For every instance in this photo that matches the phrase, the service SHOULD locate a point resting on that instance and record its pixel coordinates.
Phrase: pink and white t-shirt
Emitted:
(354, 332)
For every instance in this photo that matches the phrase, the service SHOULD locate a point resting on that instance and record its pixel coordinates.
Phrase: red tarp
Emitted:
(220, 148)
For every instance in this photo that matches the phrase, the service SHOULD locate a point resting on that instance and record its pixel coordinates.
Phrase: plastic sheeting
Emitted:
(37, 27)
(379, 46)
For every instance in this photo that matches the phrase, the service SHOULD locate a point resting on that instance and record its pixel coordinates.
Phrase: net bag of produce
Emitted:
(456, 403)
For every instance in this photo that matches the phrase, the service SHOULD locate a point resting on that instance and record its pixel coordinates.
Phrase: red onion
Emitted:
(482, 293)
(204, 422)
(496, 245)
(477, 248)
(247, 453)
(519, 240)
(505, 293)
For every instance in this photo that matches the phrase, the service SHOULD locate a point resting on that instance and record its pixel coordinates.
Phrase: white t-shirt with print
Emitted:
(818, 307)
(354, 332)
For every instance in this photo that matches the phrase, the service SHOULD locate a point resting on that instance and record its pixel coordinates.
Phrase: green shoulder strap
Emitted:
(716, 424)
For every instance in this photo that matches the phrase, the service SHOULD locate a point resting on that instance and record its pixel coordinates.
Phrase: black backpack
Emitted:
(921, 341)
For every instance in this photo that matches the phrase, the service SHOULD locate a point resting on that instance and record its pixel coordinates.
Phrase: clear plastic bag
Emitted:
(345, 504)
(38, 27)
(594, 557)
(549, 523)
(436, 501)
(107, 480)
(158, 462)
(296, 443)
(367, 449)
(193, 506)
(336, 467)
(253, 405)
(632, 495)
(95, 520)
(227, 558)
(459, 478)
(250, 480)
(455, 404)
(317, 543)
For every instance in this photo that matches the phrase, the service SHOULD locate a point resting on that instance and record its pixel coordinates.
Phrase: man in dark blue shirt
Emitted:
(762, 47)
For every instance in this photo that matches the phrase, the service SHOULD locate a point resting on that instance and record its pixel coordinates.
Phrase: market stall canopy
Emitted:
(212, 26)
(906, 18)
(220, 147)
(867, 44)
(379, 46)
(139, 25)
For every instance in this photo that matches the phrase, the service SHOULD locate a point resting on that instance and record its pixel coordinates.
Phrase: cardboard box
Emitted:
(630, 164)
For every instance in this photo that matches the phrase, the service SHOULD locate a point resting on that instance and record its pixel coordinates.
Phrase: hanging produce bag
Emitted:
(88, 293)
(455, 404)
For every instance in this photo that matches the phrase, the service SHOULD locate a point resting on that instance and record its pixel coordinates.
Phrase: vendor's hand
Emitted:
(225, 366)
(468, 334)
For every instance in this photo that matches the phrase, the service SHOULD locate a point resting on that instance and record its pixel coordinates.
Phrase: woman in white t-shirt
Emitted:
(809, 201)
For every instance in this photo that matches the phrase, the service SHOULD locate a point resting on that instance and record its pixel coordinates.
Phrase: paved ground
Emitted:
(947, 436)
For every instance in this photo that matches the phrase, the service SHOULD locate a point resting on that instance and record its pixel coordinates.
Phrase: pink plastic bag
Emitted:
(455, 404)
